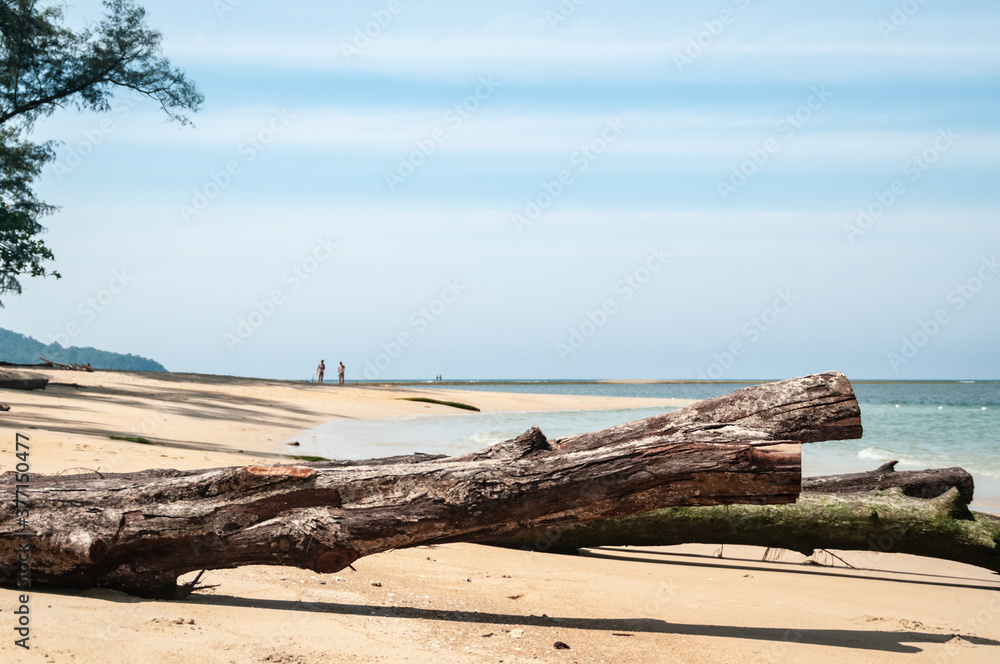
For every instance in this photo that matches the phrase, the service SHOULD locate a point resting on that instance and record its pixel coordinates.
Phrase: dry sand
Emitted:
(457, 603)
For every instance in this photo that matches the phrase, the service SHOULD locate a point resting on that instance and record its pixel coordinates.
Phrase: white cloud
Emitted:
(556, 132)
(612, 56)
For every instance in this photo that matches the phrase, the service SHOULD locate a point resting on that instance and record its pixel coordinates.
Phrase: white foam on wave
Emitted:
(878, 454)
(875, 453)
(488, 438)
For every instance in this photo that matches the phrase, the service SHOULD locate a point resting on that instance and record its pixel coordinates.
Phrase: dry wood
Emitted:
(913, 483)
(138, 532)
(70, 367)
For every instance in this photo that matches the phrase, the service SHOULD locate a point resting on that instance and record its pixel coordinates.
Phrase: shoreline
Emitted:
(463, 603)
(215, 418)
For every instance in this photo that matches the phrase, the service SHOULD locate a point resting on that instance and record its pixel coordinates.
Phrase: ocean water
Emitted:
(920, 424)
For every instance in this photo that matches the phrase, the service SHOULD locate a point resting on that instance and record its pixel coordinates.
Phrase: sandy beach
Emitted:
(461, 602)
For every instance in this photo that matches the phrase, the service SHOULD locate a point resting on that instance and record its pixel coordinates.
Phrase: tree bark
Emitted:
(886, 521)
(138, 532)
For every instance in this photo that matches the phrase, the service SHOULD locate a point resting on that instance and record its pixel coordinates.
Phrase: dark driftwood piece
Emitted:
(913, 483)
(138, 532)
(70, 367)
(17, 382)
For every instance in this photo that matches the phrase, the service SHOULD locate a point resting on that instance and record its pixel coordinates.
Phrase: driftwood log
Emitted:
(138, 532)
(914, 483)
(14, 381)
(68, 367)
(923, 513)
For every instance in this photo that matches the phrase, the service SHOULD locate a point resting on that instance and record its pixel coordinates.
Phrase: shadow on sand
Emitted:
(883, 641)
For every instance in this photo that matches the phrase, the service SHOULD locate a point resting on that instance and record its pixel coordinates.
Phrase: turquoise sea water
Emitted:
(922, 424)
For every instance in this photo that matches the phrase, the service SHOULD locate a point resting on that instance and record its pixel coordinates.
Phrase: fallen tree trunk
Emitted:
(884, 519)
(138, 532)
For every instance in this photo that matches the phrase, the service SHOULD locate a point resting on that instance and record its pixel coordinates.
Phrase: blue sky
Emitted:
(582, 189)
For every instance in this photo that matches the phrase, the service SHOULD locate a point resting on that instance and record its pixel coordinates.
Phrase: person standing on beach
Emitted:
(321, 369)
(340, 372)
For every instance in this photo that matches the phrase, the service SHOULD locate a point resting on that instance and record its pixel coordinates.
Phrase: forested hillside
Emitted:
(19, 349)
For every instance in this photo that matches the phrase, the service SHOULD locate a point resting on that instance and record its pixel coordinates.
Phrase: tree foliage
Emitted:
(45, 66)
(20, 252)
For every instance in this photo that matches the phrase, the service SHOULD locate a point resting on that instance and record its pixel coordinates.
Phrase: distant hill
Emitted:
(19, 349)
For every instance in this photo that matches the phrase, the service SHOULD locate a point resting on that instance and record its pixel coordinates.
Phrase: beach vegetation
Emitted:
(306, 457)
(453, 404)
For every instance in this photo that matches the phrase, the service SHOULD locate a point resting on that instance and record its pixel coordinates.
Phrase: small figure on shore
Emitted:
(340, 372)
(321, 369)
